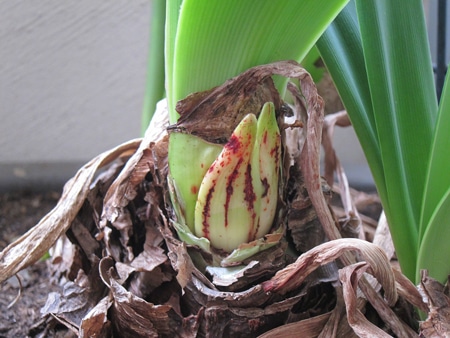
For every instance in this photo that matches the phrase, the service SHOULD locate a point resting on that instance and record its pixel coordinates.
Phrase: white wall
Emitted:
(72, 79)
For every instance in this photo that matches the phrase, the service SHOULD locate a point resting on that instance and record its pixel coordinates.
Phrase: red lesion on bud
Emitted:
(264, 140)
(266, 187)
(194, 189)
(275, 151)
(234, 144)
(250, 198)
(207, 213)
(229, 189)
(249, 192)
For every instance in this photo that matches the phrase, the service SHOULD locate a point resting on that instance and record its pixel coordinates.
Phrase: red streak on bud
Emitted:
(206, 213)
(233, 144)
(265, 137)
(274, 151)
(266, 186)
(194, 190)
(230, 189)
(250, 198)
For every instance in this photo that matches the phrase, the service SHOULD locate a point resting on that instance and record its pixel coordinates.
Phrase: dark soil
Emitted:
(19, 211)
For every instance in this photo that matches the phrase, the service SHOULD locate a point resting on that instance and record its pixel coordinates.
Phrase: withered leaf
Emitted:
(437, 325)
(35, 243)
(77, 299)
(350, 277)
(134, 317)
(96, 322)
(214, 114)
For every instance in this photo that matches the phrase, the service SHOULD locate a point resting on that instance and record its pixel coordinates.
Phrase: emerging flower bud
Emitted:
(238, 195)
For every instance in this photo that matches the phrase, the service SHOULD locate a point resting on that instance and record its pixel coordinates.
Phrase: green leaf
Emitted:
(173, 9)
(438, 178)
(382, 69)
(400, 75)
(154, 90)
(217, 40)
(341, 50)
(434, 250)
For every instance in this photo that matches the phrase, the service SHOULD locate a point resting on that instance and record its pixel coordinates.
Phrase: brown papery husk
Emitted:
(128, 274)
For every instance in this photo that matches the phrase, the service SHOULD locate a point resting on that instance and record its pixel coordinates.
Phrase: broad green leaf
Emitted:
(438, 179)
(400, 75)
(217, 40)
(434, 250)
(341, 50)
(154, 90)
(172, 16)
(388, 90)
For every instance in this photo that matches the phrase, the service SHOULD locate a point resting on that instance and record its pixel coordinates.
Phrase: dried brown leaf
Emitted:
(335, 322)
(311, 327)
(96, 322)
(384, 310)
(383, 236)
(214, 114)
(350, 277)
(134, 317)
(294, 274)
(352, 221)
(437, 324)
(409, 291)
(331, 160)
(77, 299)
(310, 156)
(36, 242)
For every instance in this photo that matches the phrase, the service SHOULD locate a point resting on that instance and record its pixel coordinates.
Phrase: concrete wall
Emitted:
(72, 79)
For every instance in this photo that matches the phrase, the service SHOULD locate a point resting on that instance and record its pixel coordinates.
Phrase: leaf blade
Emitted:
(249, 33)
(434, 249)
(400, 77)
(438, 179)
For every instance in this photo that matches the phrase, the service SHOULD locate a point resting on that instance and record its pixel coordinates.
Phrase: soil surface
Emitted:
(19, 211)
